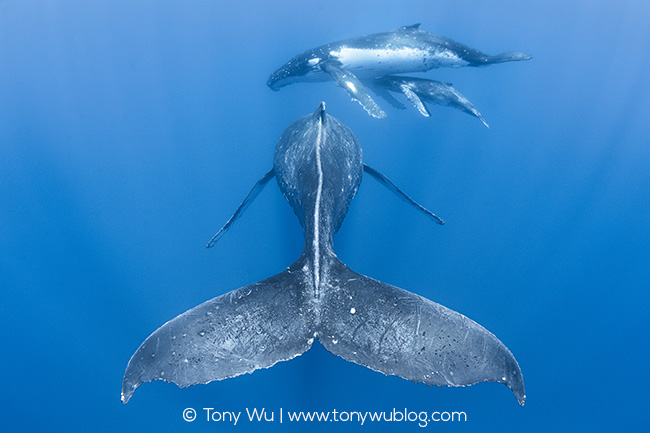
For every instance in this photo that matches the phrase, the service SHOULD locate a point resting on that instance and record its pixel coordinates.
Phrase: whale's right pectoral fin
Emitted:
(396, 332)
(255, 190)
(401, 194)
(247, 329)
(348, 81)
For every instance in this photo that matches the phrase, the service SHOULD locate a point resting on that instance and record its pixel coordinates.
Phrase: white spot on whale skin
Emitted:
(353, 310)
(314, 61)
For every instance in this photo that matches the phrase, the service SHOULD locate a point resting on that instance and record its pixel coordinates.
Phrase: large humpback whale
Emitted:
(318, 165)
(355, 61)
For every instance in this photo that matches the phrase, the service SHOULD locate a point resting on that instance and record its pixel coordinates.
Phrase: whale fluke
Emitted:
(244, 330)
(395, 332)
(362, 320)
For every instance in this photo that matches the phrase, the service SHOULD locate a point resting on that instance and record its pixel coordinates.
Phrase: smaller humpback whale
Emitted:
(418, 90)
(318, 166)
(355, 61)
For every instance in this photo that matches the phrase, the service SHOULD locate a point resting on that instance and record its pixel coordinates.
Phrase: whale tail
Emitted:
(362, 320)
(510, 56)
(396, 332)
(249, 328)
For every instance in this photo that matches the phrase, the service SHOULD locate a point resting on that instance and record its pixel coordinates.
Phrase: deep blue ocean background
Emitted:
(131, 130)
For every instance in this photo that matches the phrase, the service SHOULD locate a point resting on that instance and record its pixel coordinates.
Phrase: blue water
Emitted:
(130, 131)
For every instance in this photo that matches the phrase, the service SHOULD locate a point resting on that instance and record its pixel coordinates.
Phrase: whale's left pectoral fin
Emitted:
(348, 81)
(396, 332)
(384, 93)
(255, 190)
(401, 194)
(415, 100)
(247, 329)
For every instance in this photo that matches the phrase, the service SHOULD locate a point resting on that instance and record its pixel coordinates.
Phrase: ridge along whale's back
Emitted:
(318, 164)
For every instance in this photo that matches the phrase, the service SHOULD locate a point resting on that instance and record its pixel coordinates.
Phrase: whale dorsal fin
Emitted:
(411, 27)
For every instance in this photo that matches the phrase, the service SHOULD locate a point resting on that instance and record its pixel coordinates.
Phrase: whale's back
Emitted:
(318, 164)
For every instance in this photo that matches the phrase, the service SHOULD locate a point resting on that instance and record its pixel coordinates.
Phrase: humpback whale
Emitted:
(318, 166)
(355, 61)
(418, 90)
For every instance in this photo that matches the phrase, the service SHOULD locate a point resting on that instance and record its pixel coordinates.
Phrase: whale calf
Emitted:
(419, 90)
(318, 166)
(355, 61)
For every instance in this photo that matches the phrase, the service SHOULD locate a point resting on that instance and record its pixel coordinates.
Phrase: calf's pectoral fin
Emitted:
(415, 100)
(348, 81)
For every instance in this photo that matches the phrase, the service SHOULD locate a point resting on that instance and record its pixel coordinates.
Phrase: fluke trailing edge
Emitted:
(354, 63)
(318, 166)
